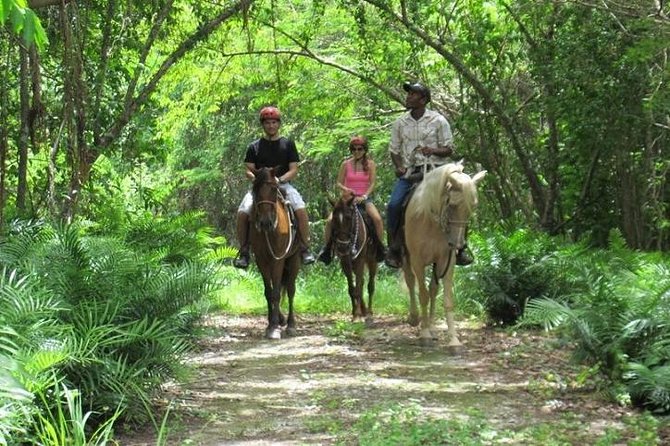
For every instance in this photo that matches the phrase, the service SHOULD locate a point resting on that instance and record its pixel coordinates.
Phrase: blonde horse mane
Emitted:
(430, 195)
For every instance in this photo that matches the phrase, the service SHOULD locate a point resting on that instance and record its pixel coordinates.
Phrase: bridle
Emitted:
(349, 244)
(446, 224)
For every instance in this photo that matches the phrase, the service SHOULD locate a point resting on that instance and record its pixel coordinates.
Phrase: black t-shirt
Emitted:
(278, 153)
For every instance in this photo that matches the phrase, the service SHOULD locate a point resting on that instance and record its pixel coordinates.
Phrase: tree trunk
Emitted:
(24, 130)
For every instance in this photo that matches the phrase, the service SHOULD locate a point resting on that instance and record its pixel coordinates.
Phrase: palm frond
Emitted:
(650, 385)
(548, 313)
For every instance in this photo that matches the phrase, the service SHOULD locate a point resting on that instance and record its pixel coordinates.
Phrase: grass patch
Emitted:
(322, 290)
(407, 424)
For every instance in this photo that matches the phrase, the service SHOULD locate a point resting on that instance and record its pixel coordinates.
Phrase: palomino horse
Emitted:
(273, 241)
(437, 214)
(356, 250)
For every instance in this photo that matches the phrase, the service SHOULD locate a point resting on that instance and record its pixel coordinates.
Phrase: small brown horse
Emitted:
(356, 250)
(273, 240)
(437, 214)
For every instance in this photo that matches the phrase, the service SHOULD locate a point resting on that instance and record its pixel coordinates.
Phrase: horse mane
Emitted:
(260, 176)
(430, 194)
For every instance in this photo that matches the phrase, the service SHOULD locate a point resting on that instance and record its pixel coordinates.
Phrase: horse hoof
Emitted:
(426, 338)
(273, 333)
(454, 350)
(427, 342)
(413, 320)
(291, 332)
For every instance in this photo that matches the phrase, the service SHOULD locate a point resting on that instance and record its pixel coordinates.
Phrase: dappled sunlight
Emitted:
(252, 390)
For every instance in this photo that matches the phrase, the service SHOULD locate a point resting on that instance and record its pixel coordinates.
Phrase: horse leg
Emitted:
(282, 299)
(345, 262)
(267, 291)
(448, 285)
(372, 274)
(432, 292)
(359, 272)
(273, 331)
(410, 282)
(424, 331)
(289, 282)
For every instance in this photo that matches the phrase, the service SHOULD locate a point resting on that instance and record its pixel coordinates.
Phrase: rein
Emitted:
(268, 242)
(358, 221)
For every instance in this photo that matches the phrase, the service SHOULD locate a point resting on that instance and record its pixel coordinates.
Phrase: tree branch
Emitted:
(132, 104)
(536, 188)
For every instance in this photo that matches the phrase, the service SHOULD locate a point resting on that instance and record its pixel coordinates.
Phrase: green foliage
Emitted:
(97, 316)
(66, 425)
(511, 269)
(23, 21)
(400, 425)
(617, 313)
(345, 331)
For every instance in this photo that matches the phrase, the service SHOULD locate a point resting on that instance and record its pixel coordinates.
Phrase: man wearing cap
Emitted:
(421, 140)
(272, 150)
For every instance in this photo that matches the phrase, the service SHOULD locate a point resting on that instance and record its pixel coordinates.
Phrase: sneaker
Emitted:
(242, 260)
(463, 258)
(325, 255)
(392, 259)
(307, 257)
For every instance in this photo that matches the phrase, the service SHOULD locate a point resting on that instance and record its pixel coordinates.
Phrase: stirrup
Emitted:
(242, 260)
(463, 258)
(325, 255)
(392, 259)
(307, 257)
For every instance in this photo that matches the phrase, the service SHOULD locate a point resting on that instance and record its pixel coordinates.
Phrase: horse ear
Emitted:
(331, 200)
(479, 176)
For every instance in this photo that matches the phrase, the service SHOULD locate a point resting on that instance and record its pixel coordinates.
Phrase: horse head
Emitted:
(344, 225)
(460, 201)
(265, 192)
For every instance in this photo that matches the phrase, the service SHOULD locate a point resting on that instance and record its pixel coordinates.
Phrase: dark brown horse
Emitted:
(273, 240)
(356, 250)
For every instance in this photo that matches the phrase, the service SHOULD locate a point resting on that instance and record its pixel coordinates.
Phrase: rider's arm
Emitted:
(291, 174)
(249, 170)
(445, 140)
(398, 163)
(441, 151)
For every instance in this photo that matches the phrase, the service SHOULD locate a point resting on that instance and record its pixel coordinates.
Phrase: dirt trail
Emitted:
(310, 389)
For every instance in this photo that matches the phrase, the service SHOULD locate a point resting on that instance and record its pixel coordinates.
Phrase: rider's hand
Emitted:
(427, 151)
(400, 171)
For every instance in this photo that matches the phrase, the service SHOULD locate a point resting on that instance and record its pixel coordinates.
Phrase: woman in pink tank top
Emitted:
(357, 177)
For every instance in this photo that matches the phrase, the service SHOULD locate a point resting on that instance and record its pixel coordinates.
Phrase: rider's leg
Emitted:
(393, 215)
(372, 211)
(326, 254)
(242, 259)
(294, 197)
(303, 229)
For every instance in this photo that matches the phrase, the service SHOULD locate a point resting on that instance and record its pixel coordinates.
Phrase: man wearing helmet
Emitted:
(272, 150)
(421, 140)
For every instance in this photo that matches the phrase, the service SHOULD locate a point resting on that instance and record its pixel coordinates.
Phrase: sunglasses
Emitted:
(357, 149)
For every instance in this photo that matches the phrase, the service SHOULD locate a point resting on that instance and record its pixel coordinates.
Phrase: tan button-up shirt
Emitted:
(431, 130)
